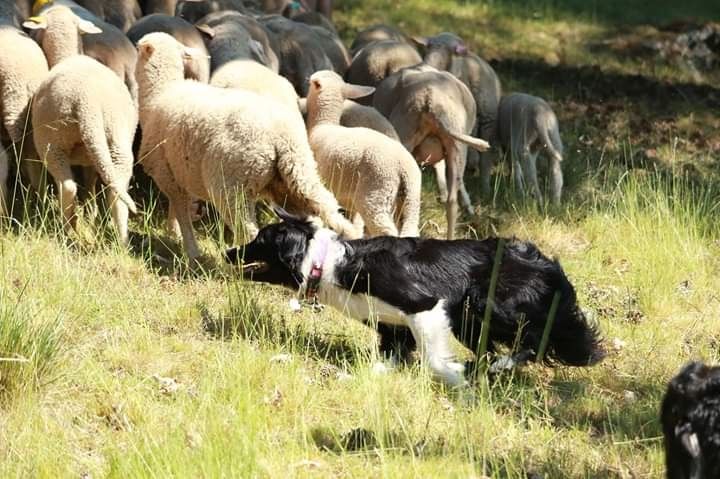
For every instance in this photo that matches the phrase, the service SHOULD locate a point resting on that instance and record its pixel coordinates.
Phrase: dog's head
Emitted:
(691, 422)
(275, 256)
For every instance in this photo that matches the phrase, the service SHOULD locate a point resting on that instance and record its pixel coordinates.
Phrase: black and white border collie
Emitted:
(433, 287)
(691, 423)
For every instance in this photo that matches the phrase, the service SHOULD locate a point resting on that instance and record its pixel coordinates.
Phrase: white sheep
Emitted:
(22, 68)
(252, 76)
(370, 174)
(83, 114)
(215, 144)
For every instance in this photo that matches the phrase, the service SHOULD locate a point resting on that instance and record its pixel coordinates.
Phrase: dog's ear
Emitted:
(291, 249)
(284, 215)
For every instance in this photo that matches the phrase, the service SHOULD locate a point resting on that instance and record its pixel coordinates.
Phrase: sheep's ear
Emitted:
(316, 83)
(145, 49)
(190, 53)
(87, 27)
(357, 91)
(461, 49)
(257, 48)
(35, 23)
(420, 42)
(206, 30)
(302, 105)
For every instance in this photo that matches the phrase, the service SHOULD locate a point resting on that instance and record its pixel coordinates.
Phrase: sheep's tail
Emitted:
(96, 143)
(299, 172)
(409, 199)
(549, 133)
(476, 143)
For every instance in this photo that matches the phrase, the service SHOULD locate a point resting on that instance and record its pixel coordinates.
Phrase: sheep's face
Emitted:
(275, 256)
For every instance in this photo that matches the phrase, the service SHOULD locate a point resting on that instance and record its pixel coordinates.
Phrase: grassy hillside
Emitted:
(119, 363)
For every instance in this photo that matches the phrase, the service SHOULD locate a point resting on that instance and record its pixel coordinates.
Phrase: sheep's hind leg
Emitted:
(439, 168)
(4, 199)
(119, 211)
(530, 172)
(376, 211)
(90, 179)
(58, 165)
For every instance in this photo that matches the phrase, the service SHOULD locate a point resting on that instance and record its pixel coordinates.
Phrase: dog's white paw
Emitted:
(379, 368)
(502, 363)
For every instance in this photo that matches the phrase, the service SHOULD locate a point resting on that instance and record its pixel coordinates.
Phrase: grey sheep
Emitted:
(262, 48)
(434, 114)
(528, 126)
(303, 51)
(377, 33)
(448, 52)
(379, 60)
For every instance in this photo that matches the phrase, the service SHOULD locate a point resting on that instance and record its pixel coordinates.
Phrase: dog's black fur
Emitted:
(413, 274)
(691, 423)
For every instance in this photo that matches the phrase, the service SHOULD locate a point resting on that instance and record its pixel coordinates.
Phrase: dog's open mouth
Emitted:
(255, 267)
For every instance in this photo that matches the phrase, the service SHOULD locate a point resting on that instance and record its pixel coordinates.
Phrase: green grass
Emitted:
(132, 365)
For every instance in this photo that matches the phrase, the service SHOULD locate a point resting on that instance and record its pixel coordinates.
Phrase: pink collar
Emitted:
(312, 284)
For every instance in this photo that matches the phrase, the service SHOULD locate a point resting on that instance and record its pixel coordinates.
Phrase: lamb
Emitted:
(110, 47)
(214, 144)
(527, 126)
(691, 423)
(370, 174)
(83, 115)
(198, 68)
(22, 69)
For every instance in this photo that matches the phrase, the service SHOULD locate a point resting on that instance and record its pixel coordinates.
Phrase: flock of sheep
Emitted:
(235, 105)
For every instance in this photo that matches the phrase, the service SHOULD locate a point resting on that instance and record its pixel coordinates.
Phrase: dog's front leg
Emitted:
(431, 329)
